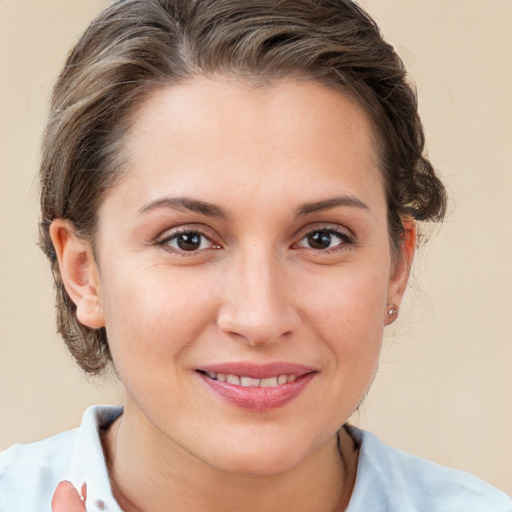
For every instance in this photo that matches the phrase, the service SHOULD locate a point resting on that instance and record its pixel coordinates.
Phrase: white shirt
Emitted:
(388, 480)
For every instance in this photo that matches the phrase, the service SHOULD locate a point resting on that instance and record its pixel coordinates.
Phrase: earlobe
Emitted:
(79, 272)
(401, 270)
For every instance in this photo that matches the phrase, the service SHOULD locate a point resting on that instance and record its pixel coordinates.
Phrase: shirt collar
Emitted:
(88, 464)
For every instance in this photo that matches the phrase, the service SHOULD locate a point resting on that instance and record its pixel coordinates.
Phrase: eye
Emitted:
(325, 239)
(187, 241)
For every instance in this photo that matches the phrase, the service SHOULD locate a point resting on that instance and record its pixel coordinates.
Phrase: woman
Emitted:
(229, 197)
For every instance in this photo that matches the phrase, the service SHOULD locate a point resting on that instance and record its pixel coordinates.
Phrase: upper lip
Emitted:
(258, 371)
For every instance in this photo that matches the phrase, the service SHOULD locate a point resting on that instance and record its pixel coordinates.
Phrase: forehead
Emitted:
(241, 104)
(207, 135)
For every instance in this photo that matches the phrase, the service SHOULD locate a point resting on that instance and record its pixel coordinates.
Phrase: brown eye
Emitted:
(324, 239)
(320, 240)
(188, 241)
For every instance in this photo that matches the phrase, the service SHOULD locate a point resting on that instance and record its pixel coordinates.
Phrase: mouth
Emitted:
(250, 382)
(257, 387)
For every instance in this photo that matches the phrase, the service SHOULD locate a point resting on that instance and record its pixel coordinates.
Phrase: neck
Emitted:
(151, 475)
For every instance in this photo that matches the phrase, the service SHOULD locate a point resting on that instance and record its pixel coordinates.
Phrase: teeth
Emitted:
(271, 382)
(249, 382)
(233, 379)
(282, 379)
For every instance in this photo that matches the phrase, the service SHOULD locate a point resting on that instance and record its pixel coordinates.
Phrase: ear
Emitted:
(79, 272)
(401, 269)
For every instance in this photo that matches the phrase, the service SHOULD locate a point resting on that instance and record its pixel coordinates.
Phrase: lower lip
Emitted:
(259, 399)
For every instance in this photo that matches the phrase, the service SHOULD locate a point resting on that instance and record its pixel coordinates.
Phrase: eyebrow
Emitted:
(328, 204)
(184, 203)
(212, 210)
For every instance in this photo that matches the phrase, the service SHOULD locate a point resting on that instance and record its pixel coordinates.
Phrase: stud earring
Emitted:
(392, 311)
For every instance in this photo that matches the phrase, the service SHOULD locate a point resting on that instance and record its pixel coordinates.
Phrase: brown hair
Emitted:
(135, 46)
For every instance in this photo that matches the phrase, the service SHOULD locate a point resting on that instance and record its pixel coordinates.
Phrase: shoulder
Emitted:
(29, 473)
(390, 480)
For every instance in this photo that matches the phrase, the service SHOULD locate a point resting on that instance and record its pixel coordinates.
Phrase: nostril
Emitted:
(257, 333)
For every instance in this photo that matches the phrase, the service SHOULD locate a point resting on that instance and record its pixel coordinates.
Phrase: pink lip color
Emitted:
(258, 399)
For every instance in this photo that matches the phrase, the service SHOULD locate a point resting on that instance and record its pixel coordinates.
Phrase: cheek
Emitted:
(350, 298)
(152, 316)
(347, 312)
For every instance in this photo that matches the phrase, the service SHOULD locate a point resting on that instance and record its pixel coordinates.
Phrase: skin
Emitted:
(67, 499)
(256, 289)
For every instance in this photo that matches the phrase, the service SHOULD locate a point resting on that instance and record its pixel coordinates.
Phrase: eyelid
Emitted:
(324, 226)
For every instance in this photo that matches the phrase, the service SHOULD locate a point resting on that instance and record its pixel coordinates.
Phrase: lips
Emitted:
(257, 387)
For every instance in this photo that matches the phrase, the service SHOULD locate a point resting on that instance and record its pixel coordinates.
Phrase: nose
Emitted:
(257, 302)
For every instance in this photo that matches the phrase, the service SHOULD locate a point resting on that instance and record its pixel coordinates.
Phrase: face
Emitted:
(243, 270)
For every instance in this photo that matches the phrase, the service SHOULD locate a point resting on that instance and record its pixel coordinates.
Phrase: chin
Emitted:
(259, 464)
(261, 457)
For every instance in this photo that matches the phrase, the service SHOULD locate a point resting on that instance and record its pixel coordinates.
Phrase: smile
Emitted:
(250, 382)
(257, 388)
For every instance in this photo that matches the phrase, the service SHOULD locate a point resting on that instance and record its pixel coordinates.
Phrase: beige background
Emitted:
(444, 390)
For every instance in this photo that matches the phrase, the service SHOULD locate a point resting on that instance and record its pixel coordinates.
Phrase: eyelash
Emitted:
(345, 241)
(165, 241)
